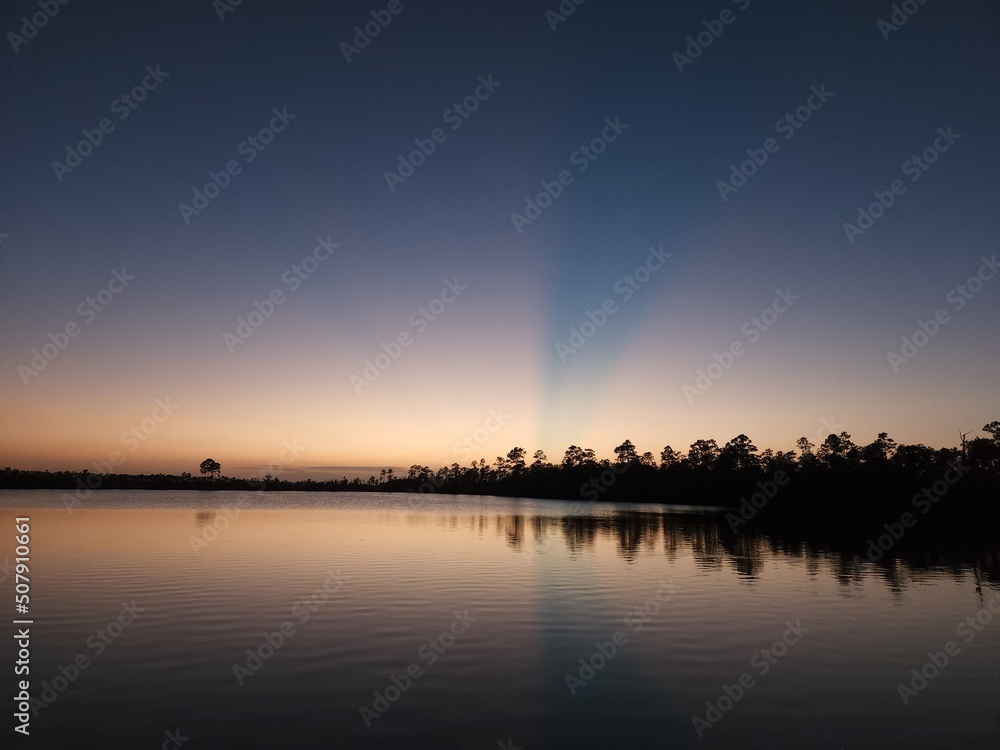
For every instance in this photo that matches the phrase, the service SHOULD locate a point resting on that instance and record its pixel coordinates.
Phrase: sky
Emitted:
(312, 236)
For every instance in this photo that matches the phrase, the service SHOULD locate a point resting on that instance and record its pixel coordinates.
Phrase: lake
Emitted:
(314, 620)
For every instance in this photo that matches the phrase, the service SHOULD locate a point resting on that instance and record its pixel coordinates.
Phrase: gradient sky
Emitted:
(494, 347)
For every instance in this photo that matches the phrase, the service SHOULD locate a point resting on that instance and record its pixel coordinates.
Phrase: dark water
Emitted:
(469, 618)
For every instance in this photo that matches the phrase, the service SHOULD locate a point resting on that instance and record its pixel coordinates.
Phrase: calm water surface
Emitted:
(461, 622)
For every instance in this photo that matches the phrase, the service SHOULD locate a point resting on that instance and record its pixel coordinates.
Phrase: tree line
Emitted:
(706, 474)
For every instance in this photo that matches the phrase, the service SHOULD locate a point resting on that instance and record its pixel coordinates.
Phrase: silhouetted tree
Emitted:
(703, 453)
(914, 458)
(516, 458)
(879, 450)
(573, 457)
(838, 450)
(984, 453)
(418, 473)
(211, 466)
(502, 466)
(773, 461)
(626, 454)
(483, 469)
(539, 460)
(576, 456)
(669, 457)
(738, 455)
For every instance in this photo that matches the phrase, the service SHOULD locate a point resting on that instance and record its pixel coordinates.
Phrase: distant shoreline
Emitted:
(856, 488)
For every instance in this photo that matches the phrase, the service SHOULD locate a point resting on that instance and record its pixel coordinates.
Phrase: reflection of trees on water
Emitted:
(708, 541)
(633, 531)
(706, 538)
(579, 532)
(747, 556)
(537, 530)
(513, 527)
